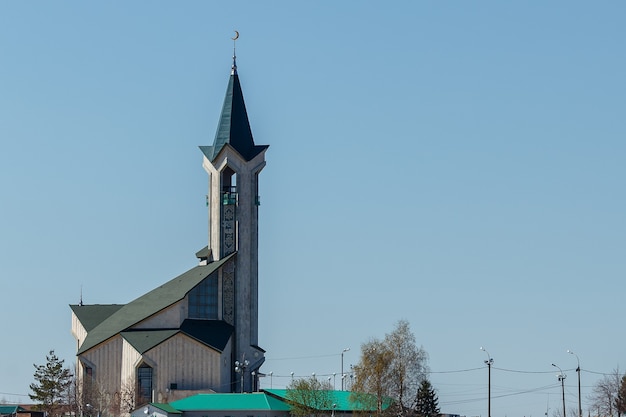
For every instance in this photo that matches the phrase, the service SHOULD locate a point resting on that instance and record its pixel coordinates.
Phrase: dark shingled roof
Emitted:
(92, 315)
(234, 128)
(144, 340)
(213, 333)
(149, 304)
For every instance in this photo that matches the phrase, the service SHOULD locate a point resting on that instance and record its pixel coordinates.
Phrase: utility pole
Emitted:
(489, 361)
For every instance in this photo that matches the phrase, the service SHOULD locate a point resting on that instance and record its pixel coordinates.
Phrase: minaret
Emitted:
(233, 163)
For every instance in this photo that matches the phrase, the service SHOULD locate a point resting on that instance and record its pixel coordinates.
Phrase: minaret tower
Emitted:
(233, 163)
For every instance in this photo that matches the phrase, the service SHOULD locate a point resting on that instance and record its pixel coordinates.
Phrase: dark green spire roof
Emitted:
(234, 128)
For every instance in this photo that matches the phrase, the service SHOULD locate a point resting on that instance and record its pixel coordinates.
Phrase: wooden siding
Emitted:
(107, 360)
(78, 331)
(168, 318)
(183, 361)
(131, 359)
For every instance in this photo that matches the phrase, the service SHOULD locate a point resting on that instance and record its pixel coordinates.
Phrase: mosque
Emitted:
(199, 331)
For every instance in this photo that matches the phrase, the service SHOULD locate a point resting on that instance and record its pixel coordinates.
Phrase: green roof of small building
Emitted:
(166, 407)
(231, 402)
(341, 399)
(6, 409)
(149, 304)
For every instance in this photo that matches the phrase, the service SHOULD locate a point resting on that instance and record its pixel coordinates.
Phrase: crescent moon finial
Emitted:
(234, 67)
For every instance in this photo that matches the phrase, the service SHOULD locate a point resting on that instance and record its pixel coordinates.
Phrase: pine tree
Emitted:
(426, 401)
(52, 381)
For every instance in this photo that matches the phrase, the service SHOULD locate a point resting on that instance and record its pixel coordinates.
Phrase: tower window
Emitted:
(229, 187)
(203, 299)
(229, 195)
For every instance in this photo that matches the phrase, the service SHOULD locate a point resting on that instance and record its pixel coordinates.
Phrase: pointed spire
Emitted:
(233, 127)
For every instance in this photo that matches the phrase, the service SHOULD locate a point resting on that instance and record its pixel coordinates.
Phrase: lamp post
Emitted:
(580, 409)
(561, 377)
(240, 367)
(342, 352)
(489, 361)
(271, 374)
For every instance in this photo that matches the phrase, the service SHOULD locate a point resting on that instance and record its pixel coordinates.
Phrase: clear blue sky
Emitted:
(459, 165)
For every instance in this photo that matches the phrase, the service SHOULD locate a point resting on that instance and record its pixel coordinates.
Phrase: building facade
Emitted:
(199, 331)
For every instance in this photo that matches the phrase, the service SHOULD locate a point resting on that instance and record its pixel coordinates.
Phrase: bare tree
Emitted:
(389, 372)
(408, 364)
(605, 395)
(620, 404)
(127, 397)
(372, 386)
(309, 397)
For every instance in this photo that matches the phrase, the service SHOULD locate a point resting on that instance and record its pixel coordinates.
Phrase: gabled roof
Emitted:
(233, 127)
(213, 333)
(230, 402)
(150, 303)
(92, 315)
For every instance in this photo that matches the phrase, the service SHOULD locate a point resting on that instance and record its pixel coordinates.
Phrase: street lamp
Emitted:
(271, 374)
(580, 410)
(342, 352)
(240, 367)
(489, 361)
(562, 377)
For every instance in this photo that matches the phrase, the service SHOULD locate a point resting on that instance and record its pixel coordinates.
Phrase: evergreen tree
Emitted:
(52, 381)
(426, 401)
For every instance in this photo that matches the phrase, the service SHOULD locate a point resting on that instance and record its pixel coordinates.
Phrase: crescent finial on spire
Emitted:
(234, 67)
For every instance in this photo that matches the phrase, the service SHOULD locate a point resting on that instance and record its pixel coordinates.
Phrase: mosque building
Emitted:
(199, 331)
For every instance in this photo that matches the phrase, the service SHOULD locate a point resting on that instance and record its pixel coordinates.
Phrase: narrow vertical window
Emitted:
(144, 381)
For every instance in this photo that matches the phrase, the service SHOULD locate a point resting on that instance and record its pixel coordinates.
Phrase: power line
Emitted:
(9, 393)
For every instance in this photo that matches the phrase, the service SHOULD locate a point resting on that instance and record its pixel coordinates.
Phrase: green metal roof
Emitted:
(233, 127)
(232, 402)
(92, 315)
(149, 304)
(341, 399)
(166, 407)
(10, 409)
